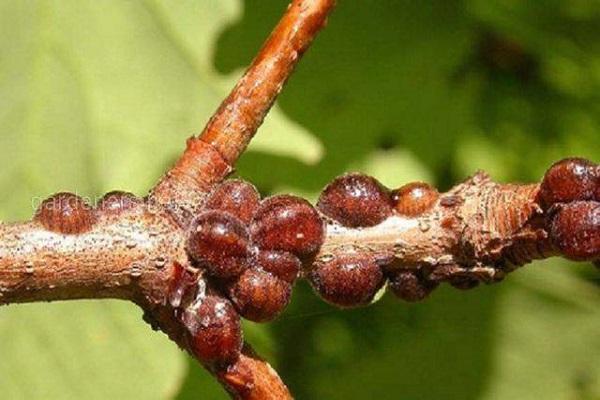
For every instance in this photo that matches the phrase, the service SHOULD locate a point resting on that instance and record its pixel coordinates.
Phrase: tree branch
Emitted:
(479, 231)
(476, 232)
(211, 156)
(252, 378)
(122, 256)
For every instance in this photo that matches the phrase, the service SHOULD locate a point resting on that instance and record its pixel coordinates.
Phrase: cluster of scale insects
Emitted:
(570, 194)
(251, 251)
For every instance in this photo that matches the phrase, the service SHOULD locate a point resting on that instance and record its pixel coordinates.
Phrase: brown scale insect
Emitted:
(414, 198)
(65, 213)
(117, 201)
(215, 332)
(355, 200)
(218, 241)
(287, 223)
(463, 283)
(575, 230)
(259, 295)
(569, 180)
(236, 197)
(283, 265)
(410, 285)
(348, 280)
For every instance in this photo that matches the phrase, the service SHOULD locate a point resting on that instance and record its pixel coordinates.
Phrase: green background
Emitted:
(100, 94)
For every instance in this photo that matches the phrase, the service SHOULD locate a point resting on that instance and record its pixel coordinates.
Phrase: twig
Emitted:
(252, 378)
(211, 156)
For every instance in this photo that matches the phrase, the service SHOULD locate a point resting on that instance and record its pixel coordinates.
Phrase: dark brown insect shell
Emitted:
(569, 180)
(215, 332)
(287, 223)
(118, 201)
(410, 285)
(414, 199)
(258, 295)
(235, 196)
(282, 264)
(218, 242)
(66, 213)
(355, 200)
(575, 230)
(347, 280)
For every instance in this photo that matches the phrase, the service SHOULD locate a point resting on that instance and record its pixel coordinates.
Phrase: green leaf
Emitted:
(287, 139)
(101, 95)
(394, 168)
(547, 344)
(88, 349)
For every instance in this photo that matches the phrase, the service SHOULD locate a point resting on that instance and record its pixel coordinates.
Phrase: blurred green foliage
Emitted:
(98, 95)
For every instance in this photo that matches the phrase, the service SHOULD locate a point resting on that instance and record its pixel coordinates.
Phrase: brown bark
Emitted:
(125, 256)
(478, 231)
(211, 156)
(251, 378)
